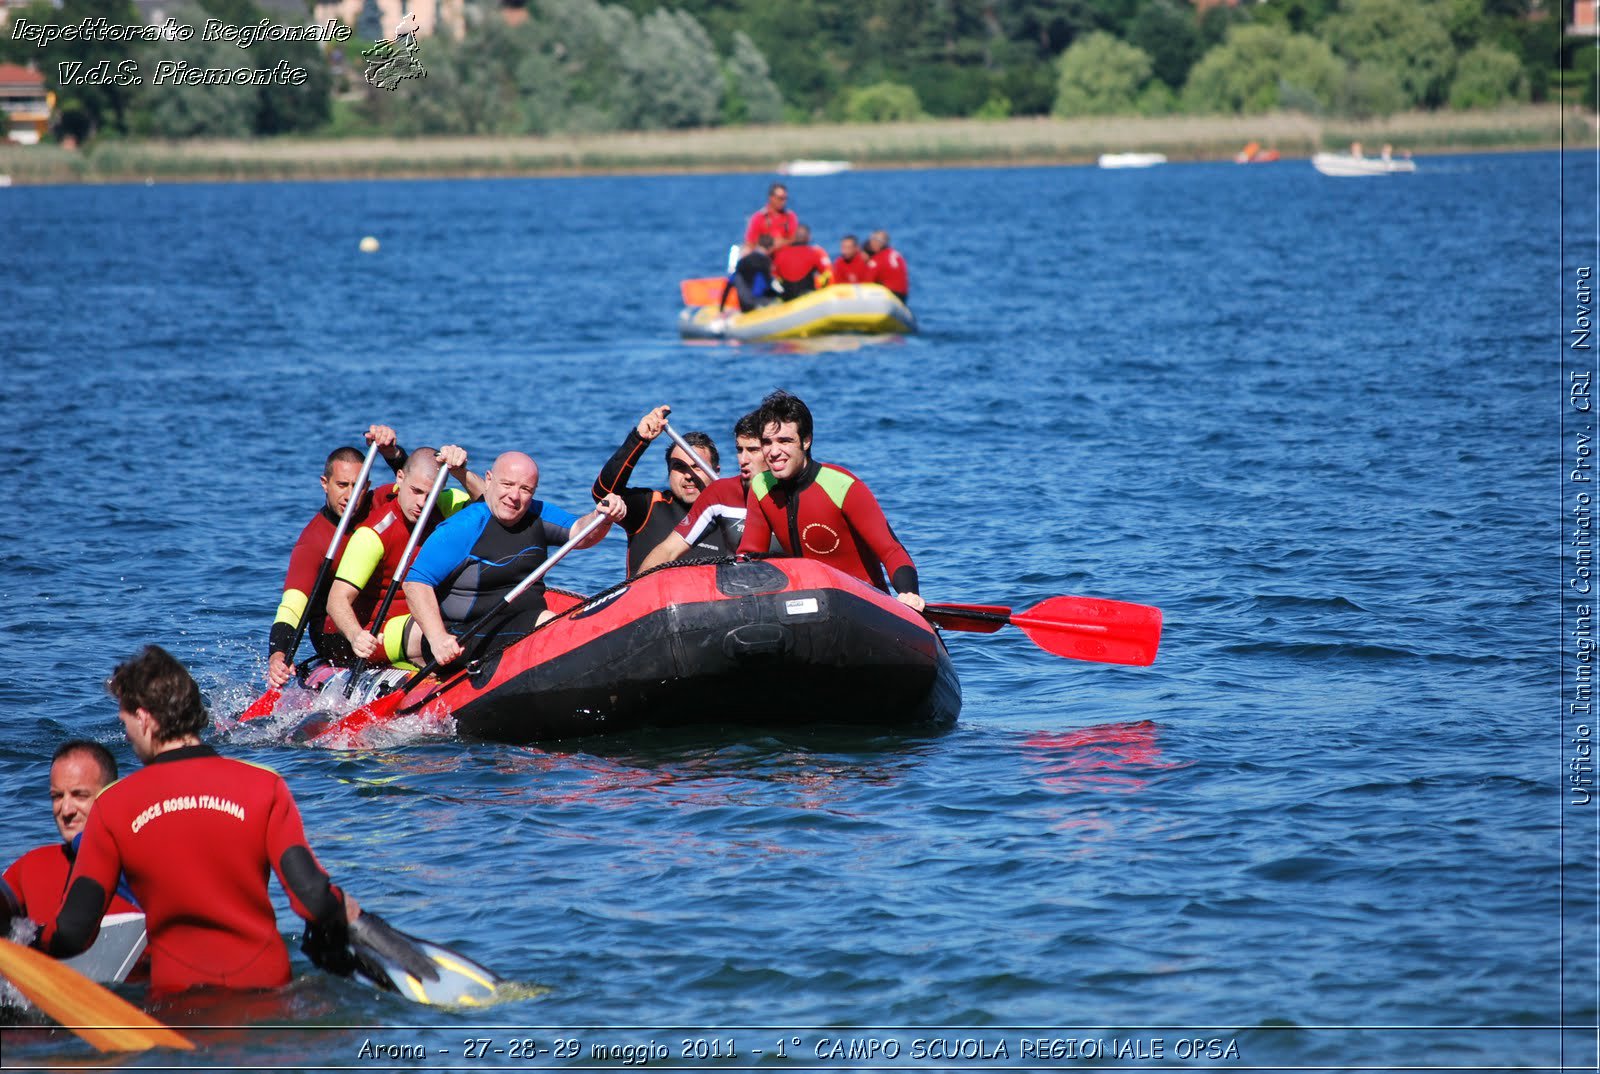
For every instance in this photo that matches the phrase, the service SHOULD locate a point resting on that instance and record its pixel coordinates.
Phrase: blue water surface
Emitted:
(1316, 421)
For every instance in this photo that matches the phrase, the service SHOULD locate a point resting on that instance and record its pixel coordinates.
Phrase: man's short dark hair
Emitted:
(707, 448)
(764, 242)
(775, 187)
(156, 682)
(780, 407)
(748, 426)
(426, 455)
(101, 756)
(342, 454)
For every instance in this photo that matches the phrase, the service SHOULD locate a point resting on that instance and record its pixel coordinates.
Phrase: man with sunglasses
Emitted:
(653, 513)
(775, 218)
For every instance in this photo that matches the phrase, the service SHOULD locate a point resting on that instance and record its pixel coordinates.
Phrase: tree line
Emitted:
(600, 65)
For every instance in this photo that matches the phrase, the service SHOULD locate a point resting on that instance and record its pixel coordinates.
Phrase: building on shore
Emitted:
(25, 104)
(433, 16)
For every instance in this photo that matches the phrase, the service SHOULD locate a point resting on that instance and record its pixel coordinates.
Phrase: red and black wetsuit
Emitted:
(827, 513)
(651, 514)
(889, 269)
(781, 226)
(305, 562)
(857, 269)
(195, 833)
(39, 881)
(800, 269)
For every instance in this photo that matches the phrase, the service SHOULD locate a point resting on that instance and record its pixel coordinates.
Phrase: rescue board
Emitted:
(121, 941)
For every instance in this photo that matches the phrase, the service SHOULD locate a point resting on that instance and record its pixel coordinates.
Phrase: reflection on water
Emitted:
(1104, 758)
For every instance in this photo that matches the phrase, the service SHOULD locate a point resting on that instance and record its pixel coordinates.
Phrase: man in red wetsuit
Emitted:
(652, 513)
(79, 771)
(720, 508)
(339, 475)
(851, 266)
(775, 218)
(195, 834)
(820, 511)
(371, 557)
(888, 267)
(801, 267)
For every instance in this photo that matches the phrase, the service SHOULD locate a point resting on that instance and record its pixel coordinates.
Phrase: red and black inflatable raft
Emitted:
(766, 643)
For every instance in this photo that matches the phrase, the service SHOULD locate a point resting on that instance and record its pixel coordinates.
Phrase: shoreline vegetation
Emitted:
(924, 143)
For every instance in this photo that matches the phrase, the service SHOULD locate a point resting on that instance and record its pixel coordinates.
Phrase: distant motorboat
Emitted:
(1131, 160)
(1346, 165)
(813, 167)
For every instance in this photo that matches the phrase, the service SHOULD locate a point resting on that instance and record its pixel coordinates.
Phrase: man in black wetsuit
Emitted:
(751, 277)
(653, 513)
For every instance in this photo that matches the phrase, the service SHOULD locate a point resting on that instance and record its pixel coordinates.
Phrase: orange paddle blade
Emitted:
(706, 291)
(99, 1016)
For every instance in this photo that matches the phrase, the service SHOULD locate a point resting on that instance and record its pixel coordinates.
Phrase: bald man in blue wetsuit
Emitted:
(478, 555)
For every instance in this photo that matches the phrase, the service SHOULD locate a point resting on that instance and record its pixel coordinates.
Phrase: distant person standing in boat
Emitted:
(717, 517)
(888, 267)
(371, 557)
(775, 218)
(652, 513)
(79, 771)
(818, 510)
(339, 475)
(851, 266)
(477, 556)
(197, 835)
(751, 278)
(800, 267)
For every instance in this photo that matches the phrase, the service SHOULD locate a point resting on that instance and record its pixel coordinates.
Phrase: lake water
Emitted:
(1324, 424)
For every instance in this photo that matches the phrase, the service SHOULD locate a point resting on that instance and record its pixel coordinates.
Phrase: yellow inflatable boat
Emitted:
(844, 308)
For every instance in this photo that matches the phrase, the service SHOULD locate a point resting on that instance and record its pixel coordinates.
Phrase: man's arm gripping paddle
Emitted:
(269, 700)
(1083, 628)
(400, 572)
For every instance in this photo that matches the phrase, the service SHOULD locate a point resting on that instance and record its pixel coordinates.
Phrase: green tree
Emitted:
(1488, 77)
(1169, 36)
(1101, 76)
(675, 79)
(1409, 37)
(750, 94)
(1369, 90)
(83, 109)
(882, 102)
(1586, 65)
(180, 111)
(1259, 68)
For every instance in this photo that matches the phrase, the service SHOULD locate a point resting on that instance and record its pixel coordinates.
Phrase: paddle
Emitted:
(99, 1016)
(387, 706)
(400, 572)
(702, 291)
(694, 456)
(1083, 628)
(269, 700)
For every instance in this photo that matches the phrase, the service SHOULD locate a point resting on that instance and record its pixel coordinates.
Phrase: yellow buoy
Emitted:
(369, 245)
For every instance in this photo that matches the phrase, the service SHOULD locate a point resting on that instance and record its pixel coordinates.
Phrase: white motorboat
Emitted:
(1131, 160)
(1346, 165)
(813, 167)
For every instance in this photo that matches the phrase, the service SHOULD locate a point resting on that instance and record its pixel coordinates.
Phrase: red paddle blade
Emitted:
(1087, 628)
(262, 706)
(706, 291)
(976, 618)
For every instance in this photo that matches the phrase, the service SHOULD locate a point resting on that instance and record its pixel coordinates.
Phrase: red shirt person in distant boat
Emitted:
(79, 771)
(820, 511)
(775, 218)
(800, 267)
(652, 513)
(339, 475)
(196, 835)
(888, 267)
(371, 558)
(719, 512)
(851, 266)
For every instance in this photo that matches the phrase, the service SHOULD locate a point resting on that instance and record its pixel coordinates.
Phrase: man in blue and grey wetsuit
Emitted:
(478, 555)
